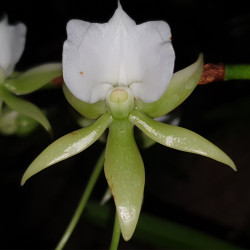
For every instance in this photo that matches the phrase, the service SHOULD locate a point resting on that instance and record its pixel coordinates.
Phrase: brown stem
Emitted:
(212, 73)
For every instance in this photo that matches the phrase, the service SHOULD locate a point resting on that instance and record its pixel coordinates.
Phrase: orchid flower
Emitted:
(121, 74)
(12, 42)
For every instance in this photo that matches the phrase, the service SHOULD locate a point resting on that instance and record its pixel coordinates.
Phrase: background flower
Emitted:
(12, 41)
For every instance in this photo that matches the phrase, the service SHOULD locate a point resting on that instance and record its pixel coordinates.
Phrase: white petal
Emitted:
(88, 63)
(155, 57)
(12, 41)
(118, 53)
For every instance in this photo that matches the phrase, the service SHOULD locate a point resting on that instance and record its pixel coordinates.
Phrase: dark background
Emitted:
(185, 188)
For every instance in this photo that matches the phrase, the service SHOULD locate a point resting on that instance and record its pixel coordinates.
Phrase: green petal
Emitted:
(34, 78)
(179, 138)
(180, 87)
(89, 110)
(124, 171)
(24, 107)
(67, 146)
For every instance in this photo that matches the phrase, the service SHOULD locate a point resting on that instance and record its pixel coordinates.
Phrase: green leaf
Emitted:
(124, 171)
(33, 79)
(24, 107)
(67, 146)
(179, 138)
(89, 110)
(180, 87)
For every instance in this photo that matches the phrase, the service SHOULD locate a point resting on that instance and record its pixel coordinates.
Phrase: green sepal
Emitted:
(24, 107)
(33, 79)
(67, 146)
(179, 138)
(180, 87)
(124, 171)
(89, 110)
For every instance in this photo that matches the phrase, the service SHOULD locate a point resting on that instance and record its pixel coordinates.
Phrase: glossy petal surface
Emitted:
(12, 40)
(180, 87)
(67, 146)
(124, 172)
(179, 138)
(98, 57)
(24, 107)
(89, 110)
(34, 78)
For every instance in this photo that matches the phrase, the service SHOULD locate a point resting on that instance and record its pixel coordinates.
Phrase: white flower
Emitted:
(99, 57)
(12, 41)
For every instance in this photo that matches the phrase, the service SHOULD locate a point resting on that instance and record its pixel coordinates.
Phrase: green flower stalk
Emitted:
(13, 84)
(121, 74)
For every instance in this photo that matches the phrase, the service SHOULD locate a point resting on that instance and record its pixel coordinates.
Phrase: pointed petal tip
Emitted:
(229, 162)
(232, 165)
(120, 14)
(119, 4)
(23, 181)
(25, 177)
(200, 57)
(128, 218)
(126, 237)
(119, 9)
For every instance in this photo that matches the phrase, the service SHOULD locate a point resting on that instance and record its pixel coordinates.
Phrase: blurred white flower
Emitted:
(12, 41)
(119, 53)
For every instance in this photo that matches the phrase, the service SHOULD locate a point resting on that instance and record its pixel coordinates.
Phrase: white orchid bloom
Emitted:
(100, 57)
(12, 41)
(129, 66)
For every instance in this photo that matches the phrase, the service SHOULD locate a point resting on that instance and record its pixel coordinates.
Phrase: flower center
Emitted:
(118, 95)
(120, 102)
